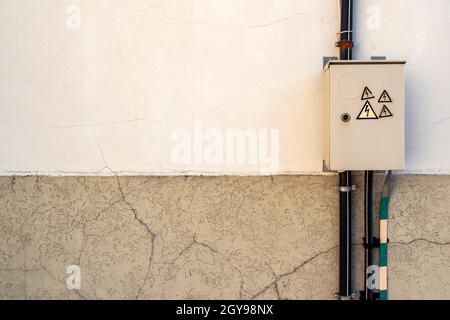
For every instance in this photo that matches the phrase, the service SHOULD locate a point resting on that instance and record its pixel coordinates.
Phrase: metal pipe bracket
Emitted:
(346, 188)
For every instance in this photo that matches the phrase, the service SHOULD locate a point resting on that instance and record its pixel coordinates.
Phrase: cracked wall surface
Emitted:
(210, 237)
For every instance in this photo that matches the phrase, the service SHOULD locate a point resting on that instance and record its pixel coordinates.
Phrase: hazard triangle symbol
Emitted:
(385, 97)
(385, 112)
(367, 112)
(367, 94)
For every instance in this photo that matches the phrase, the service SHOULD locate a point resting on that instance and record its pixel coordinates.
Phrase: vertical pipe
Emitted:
(368, 231)
(345, 180)
(346, 32)
(345, 234)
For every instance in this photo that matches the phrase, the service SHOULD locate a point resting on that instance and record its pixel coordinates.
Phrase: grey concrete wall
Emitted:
(210, 237)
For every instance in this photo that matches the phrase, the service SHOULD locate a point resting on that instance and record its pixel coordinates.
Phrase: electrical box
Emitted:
(365, 115)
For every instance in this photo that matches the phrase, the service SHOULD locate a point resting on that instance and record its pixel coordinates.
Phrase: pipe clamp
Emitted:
(346, 188)
(339, 297)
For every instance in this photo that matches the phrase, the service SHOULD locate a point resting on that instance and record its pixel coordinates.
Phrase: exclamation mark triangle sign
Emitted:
(367, 94)
(385, 97)
(385, 112)
(367, 112)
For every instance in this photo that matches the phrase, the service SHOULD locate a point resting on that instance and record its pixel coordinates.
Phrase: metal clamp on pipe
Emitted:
(375, 243)
(345, 298)
(346, 188)
(345, 44)
(348, 43)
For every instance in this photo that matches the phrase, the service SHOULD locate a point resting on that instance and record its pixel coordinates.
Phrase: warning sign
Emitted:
(367, 94)
(385, 112)
(385, 97)
(367, 112)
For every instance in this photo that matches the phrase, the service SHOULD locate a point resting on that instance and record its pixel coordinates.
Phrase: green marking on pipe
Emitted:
(384, 212)
(383, 254)
(383, 295)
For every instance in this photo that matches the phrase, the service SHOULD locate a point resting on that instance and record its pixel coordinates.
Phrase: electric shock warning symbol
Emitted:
(385, 97)
(367, 112)
(367, 94)
(385, 112)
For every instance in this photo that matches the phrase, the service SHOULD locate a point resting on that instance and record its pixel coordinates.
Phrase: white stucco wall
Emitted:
(416, 31)
(96, 87)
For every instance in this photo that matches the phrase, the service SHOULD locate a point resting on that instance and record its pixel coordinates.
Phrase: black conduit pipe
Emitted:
(345, 178)
(346, 32)
(345, 234)
(368, 231)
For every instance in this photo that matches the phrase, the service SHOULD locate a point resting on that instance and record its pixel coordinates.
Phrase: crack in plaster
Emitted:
(214, 251)
(12, 182)
(148, 230)
(103, 124)
(281, 276)
(420, 240)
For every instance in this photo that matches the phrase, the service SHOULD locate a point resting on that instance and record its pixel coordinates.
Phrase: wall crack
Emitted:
(151, 234)
(281, 276)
